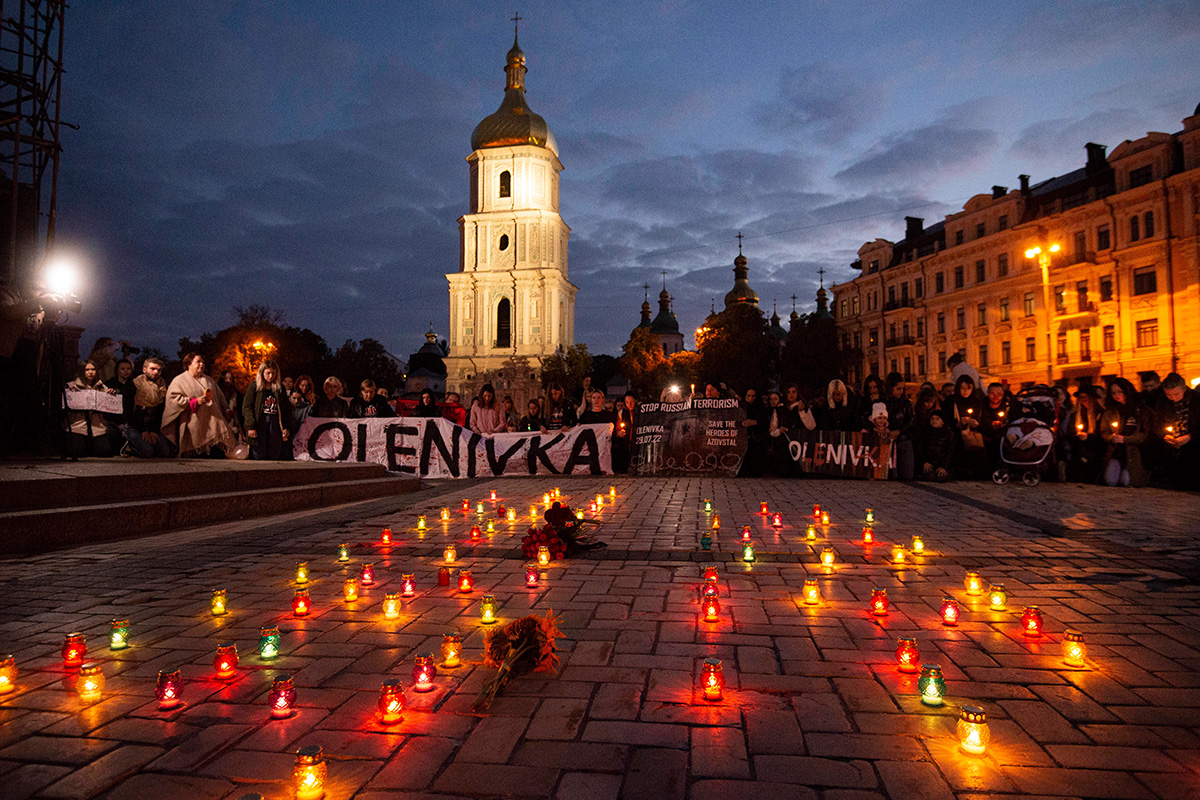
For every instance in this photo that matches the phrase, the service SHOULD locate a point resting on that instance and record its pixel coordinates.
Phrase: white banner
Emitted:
(93, 400)
(433, 447)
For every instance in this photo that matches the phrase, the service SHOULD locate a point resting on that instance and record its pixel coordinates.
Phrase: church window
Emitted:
(504, 241)
(505, 184)
(504, 323)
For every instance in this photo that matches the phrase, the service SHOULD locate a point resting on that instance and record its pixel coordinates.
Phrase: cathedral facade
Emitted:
(511, 303)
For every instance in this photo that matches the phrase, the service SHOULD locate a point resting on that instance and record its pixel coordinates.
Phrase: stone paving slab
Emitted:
(814, 705)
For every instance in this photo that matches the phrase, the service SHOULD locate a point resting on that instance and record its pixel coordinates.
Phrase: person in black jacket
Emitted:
(622, 448)
(368, 404)
(427, 406)
(122, 384)
(332, 404)
(1177, 422)
(267, 415)
(755, 423)
(934, 449)
(900, 422)
(560, 412)
(596, 413)
(532, 421)
(840, 412)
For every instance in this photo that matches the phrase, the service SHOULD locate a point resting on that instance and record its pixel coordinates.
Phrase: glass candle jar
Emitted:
(763, 508)
(746, 533)
(1031, 621)
(465, 582)
(218, 603)
(879, 602)
(533, 514)
(931, 685)
(824, 517)
(74, 649)
(543, 555)
(445, 515)
(748, 552)
(343, 552)
(366, 577)
(709, 588)
(350, 589)
(282, 696)
(90, 683)
(511, 515)
(421, 522)
(712, 609)
(579, 513)
(309, 773)
(8, 674)
(708, 506)
(816, 511)
(997, 597)
(546, 499)
(301, 605)
(973, 584)
(226, 661)
(479, 508)
(408, 585)
(476, 533)
(918, 545)
(466, 506)
(487, 609)
(898, 554)
(706, 541)
(168, 690)
(450, 554)
(302, 572)
(1073, 648)
(949, 611)
(491, 526)
(423, 672)
(443, 576)
(451, 650)
(810, 532)
(391, 702)
(118, 634)
(716, 522)
(907, 655)
(612, 492)
(827, 556)
(492, 495)
(811, 592)
(870, 517)
(777, 520)
(531, 576)
(868, 535)
(712, 679)
(385, 537)
(710, 572)
(269, 643)
(391, 605)
(973, 733)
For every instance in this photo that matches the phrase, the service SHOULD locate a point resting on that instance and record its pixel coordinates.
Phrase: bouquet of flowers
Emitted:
(547, 536)
(563, 534)
(526, 645)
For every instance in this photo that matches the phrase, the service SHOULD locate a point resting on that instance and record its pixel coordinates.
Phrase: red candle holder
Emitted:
(423, 672)
(1031, 621)
(475, 533)
(777, 520)
(391, 702)
(367, 576)
(408, 585)
(816, 510)
(868, 535)
(301, 605)
(531, 576)
(712, 679)
(465, 582)
(168, 690)
(492, 495)
(710, 589)
(226, 660)
(710, 573)
(949, 611)
(74, 649)
(712, 609)
(908, 658)
(386, 536)
(879, 602)
(444, 576)
(763, 509)
(466, 505)
(282, 696)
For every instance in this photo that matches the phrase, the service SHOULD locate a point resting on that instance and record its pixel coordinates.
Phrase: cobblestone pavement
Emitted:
(814, 705)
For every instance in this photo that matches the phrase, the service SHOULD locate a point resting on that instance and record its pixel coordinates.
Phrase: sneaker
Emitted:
(126, 451)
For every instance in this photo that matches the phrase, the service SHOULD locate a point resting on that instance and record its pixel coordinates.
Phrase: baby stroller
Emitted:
(1028, 444)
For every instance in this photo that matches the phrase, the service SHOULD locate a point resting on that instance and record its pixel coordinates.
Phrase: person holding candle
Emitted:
(622, 443)
(193, 419)
(963, 411)
(1176, 419)
(994, 419)
(755, 424)
(901, 421)
(1124, 426)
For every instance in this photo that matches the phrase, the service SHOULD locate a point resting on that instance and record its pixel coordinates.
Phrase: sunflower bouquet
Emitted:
(526, 645)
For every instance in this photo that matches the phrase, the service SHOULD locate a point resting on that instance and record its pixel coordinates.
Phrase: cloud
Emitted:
(948, 147)
(1058, 139)
(822, 101)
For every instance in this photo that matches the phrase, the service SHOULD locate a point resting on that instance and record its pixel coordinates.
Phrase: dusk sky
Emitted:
(309, 156)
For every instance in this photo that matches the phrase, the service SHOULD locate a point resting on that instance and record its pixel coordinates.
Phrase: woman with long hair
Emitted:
(194, 418)
(963, 412)
(487, 416)
(267, 414)
(840, 412)
(426, 405)
(560, 412)
(87, 431)
(1123, 426)
(332, 405)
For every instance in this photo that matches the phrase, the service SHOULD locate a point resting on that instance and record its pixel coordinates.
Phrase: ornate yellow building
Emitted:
(510, 301)
(1121, 293)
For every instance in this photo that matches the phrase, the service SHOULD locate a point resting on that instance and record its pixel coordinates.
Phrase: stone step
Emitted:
(37, 530)
(56, 484)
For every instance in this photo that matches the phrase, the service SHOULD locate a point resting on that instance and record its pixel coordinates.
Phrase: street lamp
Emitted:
(1043, 258)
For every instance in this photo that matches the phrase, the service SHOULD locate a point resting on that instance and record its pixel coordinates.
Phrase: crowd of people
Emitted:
(962, 430)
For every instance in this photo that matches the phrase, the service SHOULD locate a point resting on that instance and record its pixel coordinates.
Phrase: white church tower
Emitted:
(510, 301)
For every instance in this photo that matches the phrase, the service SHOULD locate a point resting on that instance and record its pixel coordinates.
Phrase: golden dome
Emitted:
(513, 123)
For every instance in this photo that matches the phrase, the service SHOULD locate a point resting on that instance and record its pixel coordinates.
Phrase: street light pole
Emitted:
(1043, 257)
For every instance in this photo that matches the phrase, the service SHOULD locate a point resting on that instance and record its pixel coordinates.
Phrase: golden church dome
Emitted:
(513, 123)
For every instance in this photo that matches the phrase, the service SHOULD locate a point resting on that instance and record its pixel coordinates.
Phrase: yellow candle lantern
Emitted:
(997, 597)
(810, 532)
(479, 508)
(450, 554)
(612, 492)
(421, 522)
(579, 513)
(533, 512)
(445, 515)
(716, 525)
(451, 650)
(811, 592)
(391, 605)
(218, 603)
(491, 526)
(918, 545)
(898, 554)
(827, 557)
(350, 589)
(973, 584)
(512, 515)
(543, 555)
(546, 499)
(487, 609)
(302, 572)
(310, 773)
(824, 517)
(1073, 648)
(973, 733)
(90, 683)
(8, 674)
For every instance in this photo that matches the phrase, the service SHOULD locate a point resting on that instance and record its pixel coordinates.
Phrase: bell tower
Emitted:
(510, 300)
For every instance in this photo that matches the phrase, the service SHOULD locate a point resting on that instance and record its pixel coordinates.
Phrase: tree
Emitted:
(812, 358)
(641, 361)
(354, 363)
(737, 349)
(259, 333)
(604, 367)
(566, 368)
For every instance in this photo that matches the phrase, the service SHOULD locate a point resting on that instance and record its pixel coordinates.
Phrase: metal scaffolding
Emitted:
(31, 40)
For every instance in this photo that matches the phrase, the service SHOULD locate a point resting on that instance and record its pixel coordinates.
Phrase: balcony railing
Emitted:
(899, 341)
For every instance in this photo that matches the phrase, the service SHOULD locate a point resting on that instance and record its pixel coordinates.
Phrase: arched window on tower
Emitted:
(504, 323)
(506, 184)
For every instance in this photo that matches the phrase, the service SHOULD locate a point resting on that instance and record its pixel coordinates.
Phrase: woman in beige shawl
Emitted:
(194, 417)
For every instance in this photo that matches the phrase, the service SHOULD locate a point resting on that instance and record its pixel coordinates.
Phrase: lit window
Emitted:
(1004, 309)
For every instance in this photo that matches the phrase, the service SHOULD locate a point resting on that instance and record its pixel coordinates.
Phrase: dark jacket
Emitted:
(254, 402)
(845, 417)
(900, 415)
(337, 408)
(430, 410)
(1132, 422)
(934, 446)
(529, 424)
(378, 407)
(590, 417)
(563, 418)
